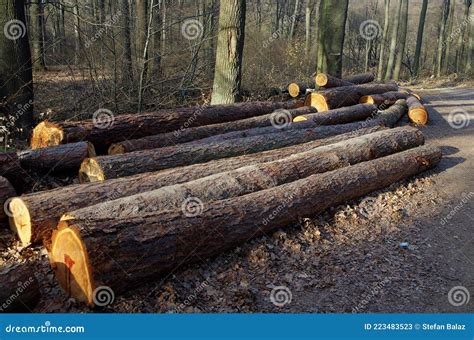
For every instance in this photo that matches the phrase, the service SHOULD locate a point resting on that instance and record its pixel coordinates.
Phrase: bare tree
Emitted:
(403, 38)
(419, 38)
(442, 37)
(393, 42)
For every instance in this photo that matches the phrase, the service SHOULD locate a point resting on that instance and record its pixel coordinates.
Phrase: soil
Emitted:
(401, 249)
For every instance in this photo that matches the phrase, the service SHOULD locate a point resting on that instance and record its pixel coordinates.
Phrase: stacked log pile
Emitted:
(235, 164)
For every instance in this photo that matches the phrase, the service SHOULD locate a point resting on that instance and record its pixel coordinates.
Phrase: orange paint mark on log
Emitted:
(68, 261)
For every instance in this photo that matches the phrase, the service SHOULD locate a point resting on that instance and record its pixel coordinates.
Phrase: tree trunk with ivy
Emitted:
(230, 46)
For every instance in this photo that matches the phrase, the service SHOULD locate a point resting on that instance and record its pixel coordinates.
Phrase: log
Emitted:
(361, 78)
(299, 89)
(20, 289)
(104, 250)
(200, 132)
(327, 81)
(345, 95)
(414, 94)
(263, 176)
(132, 163)
(342, 115)
(37, 214)
(393, 114)
(6, 191)
(416, 111)
(387, 98)
(56, 159)
(11, 169)
(128, 126)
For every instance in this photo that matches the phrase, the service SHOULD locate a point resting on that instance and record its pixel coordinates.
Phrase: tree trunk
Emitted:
(403, 37)
(384, 40)
(332, 20)
(16, 81)
(461, 37)
(308, 27)
(170, 238)
(130, 126)
(294, 19)
(230, 47)
(20, 289)
(470, 45)
(6, 191)
(449, 34)
(77, 32)
(442, 38)
(37, 214)
(393, 42)
(345, 95)
(340, 116)
(113, 166)
(56, 159)
(416, 111)
(393, 114)
(37, 43)
(127, 74)
(200, 132)
(141, 34)
(419, 38)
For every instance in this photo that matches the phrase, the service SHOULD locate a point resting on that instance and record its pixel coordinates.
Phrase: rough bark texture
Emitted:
(114, 166)
(345, 95)
(262, 176)
(403, 37)
(16, 79)
(200, 132)
(342, 115)
(45, 207)
(361, 78)
(163, 241)
(419, 38)
(20, 289)
(442, 37)
(10, 168)
(59, 158)
(332, 20)
(230, 47)
(394, 113)
(380, 67)
(131, 126)
(393, 42)
(6, 191)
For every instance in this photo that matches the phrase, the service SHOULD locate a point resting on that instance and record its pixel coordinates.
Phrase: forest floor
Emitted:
(400, 250)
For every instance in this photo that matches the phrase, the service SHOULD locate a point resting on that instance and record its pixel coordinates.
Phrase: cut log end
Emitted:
(90, 171)
(321, 79)
(367, 100)
(70, 262)
(46, 134)
(418, 116)
(20, 220)
(116, 149)
(91, 150)
(319, 102)
(299, 119)
(294, 90)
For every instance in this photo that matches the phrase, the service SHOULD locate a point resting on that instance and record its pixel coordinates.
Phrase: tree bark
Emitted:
(449, 40)
(442, 38)
(130, 126)
(470, 45)
(403, 38)
(141, 34)
(114, 166)
(127, 74)
(37, 214)
(332, 20)
(393, 114)
(393, 42)
(169, 239)
(416, 111)
(20, 289)
(345, 95)
(6, 191)
(230, 47)
(16, 80)
(56, 159)
(419, 38)
(37, 42)
(384, 40)
(340, 116)
(201, 132)
(10, 168)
